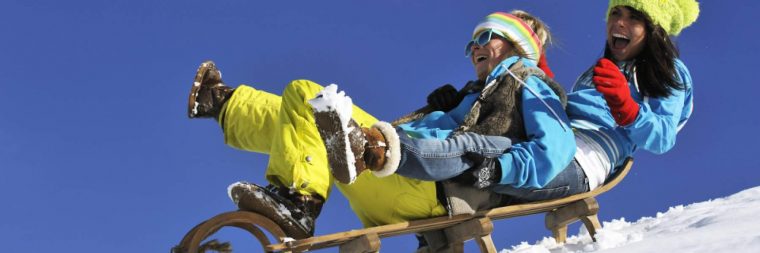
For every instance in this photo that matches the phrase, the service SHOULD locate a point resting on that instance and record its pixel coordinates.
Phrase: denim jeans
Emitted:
(572, 180)
(434, 159)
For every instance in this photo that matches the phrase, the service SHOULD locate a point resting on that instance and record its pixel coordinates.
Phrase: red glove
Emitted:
(612, 84)
(543, 65)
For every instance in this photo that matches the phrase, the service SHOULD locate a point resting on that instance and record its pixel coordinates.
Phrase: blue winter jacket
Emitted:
(654, 129)
(531, 164)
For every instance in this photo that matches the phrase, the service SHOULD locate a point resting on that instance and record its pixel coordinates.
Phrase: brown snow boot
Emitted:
(374, 148)
(295, 213)
(208, 93)
(377, 149)
(349, 154)
(351, 149)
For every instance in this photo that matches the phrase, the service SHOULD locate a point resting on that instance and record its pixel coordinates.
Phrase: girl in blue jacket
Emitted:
(440, 145)
(640, 94)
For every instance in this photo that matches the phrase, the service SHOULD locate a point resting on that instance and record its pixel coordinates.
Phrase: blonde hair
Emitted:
(538, 26)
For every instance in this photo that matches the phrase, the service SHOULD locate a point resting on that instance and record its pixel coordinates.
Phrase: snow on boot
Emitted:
(208, 94)
(293, 212)
(347, 143)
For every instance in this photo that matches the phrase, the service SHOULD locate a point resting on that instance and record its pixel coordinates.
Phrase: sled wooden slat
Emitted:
(584, 210)
(368, 243)
(459, 228)
(331, 240)
(478, 229)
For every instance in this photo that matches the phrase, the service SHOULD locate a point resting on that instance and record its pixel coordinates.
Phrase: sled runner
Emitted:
(458, 229)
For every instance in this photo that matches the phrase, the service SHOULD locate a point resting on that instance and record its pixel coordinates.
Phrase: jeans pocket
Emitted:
(551, 193)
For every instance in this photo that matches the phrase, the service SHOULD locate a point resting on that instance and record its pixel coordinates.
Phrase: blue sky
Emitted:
(97, 154)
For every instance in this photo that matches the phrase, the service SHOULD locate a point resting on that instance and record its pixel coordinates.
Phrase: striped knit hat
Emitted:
(516, 31)
(671, 15)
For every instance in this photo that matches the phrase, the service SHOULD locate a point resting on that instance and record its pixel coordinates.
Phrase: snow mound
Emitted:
(727, 224)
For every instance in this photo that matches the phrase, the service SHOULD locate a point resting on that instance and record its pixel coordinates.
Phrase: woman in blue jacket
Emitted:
(640, 94)
(444, 144)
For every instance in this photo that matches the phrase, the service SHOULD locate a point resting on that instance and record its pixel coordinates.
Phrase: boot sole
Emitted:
(332, 115)
(192, 104)
(253, 198)
(339, 156)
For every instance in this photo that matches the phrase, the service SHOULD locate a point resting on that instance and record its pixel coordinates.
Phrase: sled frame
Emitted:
(458, 229)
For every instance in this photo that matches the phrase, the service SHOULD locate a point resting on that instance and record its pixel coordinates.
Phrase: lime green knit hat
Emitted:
(671, 15)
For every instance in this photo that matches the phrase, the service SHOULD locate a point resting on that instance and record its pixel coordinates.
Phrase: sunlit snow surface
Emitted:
(729, 224)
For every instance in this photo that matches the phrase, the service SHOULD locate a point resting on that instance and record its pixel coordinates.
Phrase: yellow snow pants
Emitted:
(283, 127)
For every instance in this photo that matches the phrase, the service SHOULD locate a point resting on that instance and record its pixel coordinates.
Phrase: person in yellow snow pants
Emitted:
(298, 173)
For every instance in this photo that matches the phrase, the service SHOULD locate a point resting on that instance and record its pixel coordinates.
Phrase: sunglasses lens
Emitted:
(468, 49)
(484, 37)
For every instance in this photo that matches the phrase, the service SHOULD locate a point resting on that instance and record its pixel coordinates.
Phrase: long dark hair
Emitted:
(655, 64)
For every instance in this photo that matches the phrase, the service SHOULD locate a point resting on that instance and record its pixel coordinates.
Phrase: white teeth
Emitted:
(617, 35)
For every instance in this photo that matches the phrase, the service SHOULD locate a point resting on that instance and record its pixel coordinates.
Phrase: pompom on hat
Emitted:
(516, 31)
(671, 15)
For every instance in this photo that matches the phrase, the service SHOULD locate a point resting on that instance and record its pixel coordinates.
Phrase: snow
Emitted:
(283, 210)
(727, 224)
(195, 94)
(229, 191)
(235, 199)
(330, 99)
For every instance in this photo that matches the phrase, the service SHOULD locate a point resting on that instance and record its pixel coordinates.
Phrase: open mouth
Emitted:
(479, 59)
(619, 41)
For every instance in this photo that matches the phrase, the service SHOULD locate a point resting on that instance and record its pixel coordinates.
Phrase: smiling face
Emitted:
(486, 57)
(626, 32)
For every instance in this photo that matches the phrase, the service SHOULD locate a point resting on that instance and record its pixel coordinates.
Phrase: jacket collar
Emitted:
(505, 64)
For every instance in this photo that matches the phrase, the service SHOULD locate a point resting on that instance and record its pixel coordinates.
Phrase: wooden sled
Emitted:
(458, 229)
